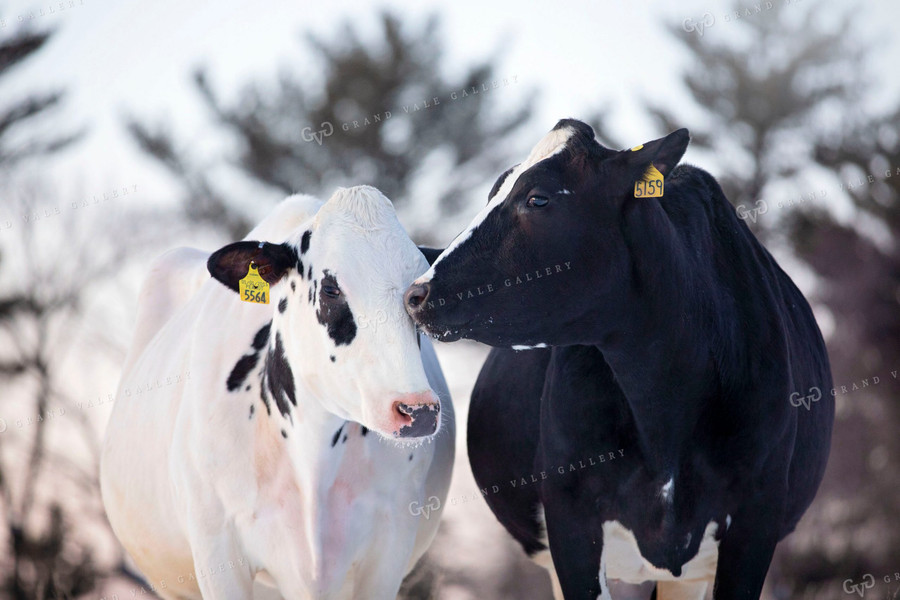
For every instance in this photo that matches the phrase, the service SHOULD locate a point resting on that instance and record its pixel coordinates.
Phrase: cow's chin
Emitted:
(441, 331)
(394, 439)
(485, 333)
(442, 334)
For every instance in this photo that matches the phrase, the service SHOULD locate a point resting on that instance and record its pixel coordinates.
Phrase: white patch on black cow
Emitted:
(667, 489)
(552, 144)
(621, 558)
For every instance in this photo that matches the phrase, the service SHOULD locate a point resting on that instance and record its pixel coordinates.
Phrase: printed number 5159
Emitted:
(648, 189)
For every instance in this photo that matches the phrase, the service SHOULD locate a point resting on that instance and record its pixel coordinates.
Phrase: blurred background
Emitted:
(128, 128)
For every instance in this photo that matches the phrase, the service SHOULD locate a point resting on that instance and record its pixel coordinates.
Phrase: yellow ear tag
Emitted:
(638, 147)
(254, 288)
(650, 185)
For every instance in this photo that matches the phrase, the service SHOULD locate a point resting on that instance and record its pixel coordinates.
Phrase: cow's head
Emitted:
(339, 328)
(550, 251)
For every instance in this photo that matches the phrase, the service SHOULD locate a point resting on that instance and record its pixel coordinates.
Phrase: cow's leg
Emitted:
(745, 554)
(380, 573)
(226, 574)
(575, 552)
(682, 590)
(544, 559)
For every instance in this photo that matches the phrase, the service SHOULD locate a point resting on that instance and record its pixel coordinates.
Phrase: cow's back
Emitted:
(769, 320)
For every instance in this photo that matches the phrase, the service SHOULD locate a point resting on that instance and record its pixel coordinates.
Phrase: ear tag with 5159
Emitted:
(650, 185)
(254, 288)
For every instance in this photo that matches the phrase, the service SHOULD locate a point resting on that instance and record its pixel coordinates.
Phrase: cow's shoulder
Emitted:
(692, 188)
(174, 278)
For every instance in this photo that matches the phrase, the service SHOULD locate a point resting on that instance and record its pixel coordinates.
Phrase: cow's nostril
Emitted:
(405, 412)
(417, 294)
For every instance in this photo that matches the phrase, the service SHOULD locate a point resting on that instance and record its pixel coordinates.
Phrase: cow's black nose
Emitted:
(416, 296)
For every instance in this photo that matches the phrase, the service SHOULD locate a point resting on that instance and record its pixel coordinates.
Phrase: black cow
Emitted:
(675, 340)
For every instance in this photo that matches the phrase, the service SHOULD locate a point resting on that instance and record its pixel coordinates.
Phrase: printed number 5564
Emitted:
(252, 296)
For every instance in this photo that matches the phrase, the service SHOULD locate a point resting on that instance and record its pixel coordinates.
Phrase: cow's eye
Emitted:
(332, 291)
(538, 201)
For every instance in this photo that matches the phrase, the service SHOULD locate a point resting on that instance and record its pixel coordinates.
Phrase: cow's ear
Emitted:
(431, 254)
(230, 264)
(663, 153)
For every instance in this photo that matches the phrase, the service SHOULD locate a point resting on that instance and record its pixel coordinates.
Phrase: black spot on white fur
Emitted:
(279, 378)
(248, 362)
(282, 305)
(262, 336)
(304, 241)
(337, 317)
(337, 435)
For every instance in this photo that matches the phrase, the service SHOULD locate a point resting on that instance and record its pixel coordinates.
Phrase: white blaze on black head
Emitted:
(548, 244)
(552, 144)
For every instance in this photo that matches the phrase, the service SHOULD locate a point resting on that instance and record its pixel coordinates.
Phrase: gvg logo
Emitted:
(381, 317)
(867, 583)
(707, 20)
(745, 213)
(309, 135)
(814, 395)
(433, 504)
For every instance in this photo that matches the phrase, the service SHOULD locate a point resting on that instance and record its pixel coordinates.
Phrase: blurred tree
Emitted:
(769, 91)
(18, 115)
(42, 558)
(858, 263)
(382, 111)
(761, 87)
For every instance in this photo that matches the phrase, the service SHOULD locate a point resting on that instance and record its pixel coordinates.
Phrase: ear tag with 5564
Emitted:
(650, 185)
(254, 288)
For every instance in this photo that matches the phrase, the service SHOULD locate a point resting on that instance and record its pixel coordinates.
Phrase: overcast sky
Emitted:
(135, 57)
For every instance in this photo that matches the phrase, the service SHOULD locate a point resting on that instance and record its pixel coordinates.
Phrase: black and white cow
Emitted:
(674, 345)
(263, 440)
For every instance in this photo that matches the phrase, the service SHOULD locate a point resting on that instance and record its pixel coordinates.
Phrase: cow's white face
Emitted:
(342, 321)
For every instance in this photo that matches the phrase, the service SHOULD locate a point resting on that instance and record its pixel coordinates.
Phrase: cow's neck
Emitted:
(658, 346)
(664, 386)
(310, 427)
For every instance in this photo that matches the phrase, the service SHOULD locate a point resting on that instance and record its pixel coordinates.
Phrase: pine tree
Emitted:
(382, 111)
(36, 563)
(760, 98)
(20, 114)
